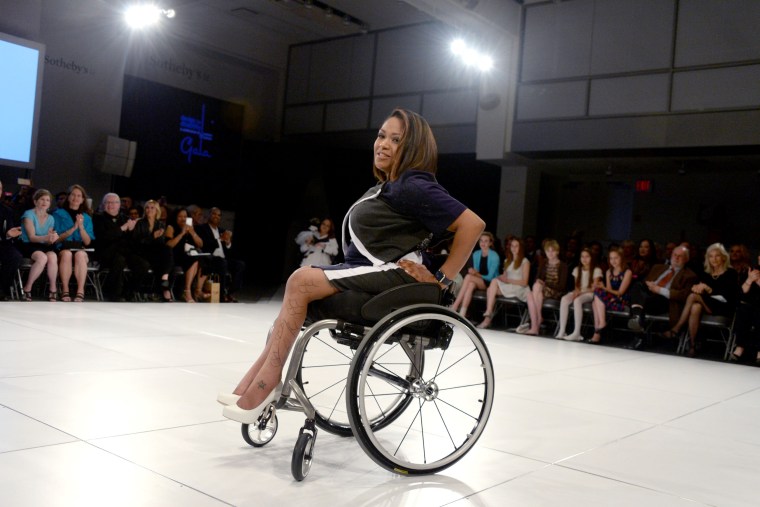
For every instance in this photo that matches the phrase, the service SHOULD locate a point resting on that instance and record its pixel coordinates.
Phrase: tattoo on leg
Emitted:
(262, 385)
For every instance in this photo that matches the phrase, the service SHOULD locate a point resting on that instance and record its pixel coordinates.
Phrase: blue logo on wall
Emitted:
(192, 144)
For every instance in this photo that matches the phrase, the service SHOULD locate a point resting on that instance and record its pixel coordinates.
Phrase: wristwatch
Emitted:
(443, 279)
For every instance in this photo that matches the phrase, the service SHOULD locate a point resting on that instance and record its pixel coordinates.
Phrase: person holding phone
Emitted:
(184, 242)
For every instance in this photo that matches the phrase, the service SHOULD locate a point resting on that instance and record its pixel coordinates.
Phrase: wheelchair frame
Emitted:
(415, 388)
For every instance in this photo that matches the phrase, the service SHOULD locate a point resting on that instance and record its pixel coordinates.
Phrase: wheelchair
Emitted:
(411, 380)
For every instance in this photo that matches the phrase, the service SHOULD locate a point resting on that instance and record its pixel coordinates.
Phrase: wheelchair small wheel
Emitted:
(303, 454)
(262, 431)
(451, 390)
(323, 375)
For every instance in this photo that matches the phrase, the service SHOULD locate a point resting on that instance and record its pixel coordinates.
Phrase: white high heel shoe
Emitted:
(244, 416)
(227, 398)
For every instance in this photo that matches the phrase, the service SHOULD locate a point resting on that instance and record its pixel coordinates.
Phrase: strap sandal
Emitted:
(66, 297)
(27, 295)
(79, 298)
(52, 297)
(188, 296)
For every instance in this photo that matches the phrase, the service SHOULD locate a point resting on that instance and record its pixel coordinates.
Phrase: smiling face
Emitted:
(716, 259)
(484, 242)
(151, 210)
(76, 198)
(387, 144)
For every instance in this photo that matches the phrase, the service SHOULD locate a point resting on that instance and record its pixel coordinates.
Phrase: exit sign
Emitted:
(644, 185)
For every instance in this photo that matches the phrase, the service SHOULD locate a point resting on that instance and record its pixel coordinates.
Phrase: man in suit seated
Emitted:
(218, 242)
(664, 290)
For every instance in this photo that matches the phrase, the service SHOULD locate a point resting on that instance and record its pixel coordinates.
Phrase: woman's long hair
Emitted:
(515, 261)
(591, 267)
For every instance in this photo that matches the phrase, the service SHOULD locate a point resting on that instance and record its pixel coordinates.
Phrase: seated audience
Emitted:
(186, 244)
(667, 252)
(628, 250)
(587, 276)
(512, 283)
(715, 293)
(218, 242)
(38, 236)
(10, 257)
(319, 247)
(60, 200)
(645, 258)
(115, 251)
(551, 283)
(135, 212)
(740, 258)
(73, 224)
(664, 290)
(612, 295)
(150, 244)
(485, 267)
(597, 254)
(747, 324)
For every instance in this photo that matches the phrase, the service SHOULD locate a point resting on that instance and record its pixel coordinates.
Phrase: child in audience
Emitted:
(613, 295)
(587, 276)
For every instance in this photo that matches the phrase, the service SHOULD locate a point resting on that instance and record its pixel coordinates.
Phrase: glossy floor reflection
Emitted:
(114, 404)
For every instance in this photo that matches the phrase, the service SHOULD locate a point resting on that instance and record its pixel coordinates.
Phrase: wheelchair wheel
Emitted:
(262, 431)
(452, 389)
(303, 454)
(323, 376)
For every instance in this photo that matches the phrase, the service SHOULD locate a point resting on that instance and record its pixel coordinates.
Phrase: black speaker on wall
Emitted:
(115, 155)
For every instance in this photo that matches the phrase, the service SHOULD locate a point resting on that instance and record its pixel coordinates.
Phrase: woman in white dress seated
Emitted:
(512, 283)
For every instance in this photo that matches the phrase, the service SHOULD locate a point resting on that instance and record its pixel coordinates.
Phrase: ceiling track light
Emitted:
(332, 12)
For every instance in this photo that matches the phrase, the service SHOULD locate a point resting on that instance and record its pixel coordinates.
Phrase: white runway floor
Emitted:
(113, 404)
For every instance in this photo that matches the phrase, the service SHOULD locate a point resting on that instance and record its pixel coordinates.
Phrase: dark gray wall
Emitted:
(649, 74)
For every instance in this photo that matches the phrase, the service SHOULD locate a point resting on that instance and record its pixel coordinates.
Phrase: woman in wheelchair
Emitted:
(385, 235)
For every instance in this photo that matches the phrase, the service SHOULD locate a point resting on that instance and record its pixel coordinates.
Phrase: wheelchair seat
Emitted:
(366, 309)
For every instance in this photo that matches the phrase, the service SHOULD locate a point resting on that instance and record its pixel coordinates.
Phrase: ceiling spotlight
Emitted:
(471, 56)
(144, 15)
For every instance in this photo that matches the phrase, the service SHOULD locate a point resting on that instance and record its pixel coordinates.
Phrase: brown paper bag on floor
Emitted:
(216, 288)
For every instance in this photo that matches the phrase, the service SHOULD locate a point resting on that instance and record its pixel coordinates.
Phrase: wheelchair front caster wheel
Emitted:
(303, 454)
(262, 431)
